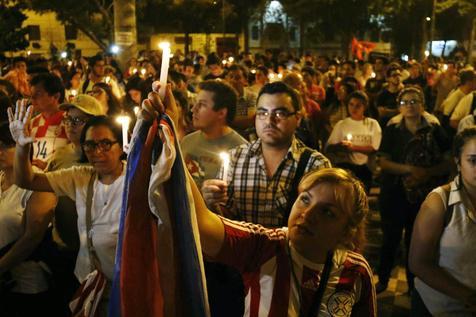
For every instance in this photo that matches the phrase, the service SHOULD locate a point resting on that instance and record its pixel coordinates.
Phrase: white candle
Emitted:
(164, 69)
(226, 165)
(348, 137)
(124, 121)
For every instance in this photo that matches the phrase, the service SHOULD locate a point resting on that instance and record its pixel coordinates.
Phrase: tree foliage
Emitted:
(93, 17)
(12, 35)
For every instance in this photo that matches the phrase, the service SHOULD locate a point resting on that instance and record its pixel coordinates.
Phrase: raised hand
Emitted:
(20, 122)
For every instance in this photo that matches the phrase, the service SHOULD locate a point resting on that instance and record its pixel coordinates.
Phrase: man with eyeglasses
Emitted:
(262, 176)
(387, 99)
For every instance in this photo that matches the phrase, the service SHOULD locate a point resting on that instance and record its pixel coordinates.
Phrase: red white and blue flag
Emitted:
(159, 265)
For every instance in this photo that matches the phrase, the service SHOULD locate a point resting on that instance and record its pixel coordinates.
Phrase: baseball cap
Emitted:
(86, 104)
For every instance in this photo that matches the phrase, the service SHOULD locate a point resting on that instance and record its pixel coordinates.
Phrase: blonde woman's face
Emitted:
(317, 218)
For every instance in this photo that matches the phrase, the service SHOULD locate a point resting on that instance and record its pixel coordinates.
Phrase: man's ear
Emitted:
(223, 112)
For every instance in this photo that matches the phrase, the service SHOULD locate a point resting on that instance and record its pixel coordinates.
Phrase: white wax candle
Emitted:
(349, 137)
(164, 69)
(226, 165)
(124, 121)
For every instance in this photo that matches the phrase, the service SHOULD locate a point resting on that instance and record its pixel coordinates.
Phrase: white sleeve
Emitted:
(65, 181)
(466, 122)
(463, 108)
(336, 134)
(376, 135)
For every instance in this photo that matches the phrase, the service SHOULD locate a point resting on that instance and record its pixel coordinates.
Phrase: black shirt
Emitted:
(393, 147)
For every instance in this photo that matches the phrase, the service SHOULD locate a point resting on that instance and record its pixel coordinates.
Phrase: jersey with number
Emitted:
(49, 135)
(279, 281)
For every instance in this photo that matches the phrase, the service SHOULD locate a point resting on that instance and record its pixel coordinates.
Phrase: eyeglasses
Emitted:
(278, 114)
(410, 102)
(103, 145)
(74, 121)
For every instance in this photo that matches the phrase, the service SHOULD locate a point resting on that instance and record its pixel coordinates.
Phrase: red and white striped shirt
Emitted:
(49, 135)
(262, 256)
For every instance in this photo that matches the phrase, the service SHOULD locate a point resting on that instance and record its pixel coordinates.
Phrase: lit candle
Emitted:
(73, 92)
(107, 79)
(70, 63)
(226, 165)
(143, 71)
(164, 69)
(136, 110)
(373, 75)
(348, 137)
(124, 121)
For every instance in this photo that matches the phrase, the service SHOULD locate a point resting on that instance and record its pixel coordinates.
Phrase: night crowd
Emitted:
(283, 151)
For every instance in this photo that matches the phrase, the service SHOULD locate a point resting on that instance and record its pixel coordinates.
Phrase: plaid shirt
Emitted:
(256, 198)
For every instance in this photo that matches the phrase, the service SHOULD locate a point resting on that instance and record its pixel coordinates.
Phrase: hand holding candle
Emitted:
(164, 69)
(226, 165)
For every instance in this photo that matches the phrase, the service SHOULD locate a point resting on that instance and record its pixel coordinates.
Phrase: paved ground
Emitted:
(394, 302)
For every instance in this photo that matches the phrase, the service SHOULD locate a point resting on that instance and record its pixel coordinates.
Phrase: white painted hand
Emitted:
(20, 122)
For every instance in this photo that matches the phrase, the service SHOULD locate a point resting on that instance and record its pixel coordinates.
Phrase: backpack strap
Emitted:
(93, 257)
(303, 161)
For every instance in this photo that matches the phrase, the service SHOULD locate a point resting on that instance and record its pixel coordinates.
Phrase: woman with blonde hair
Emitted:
(310, 268)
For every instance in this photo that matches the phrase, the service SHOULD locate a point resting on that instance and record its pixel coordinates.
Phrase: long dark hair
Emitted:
(113, 104)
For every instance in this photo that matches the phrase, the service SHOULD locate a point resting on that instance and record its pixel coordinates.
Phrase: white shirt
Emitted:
(449, 104)
(365, 132)
(466, 122)
(463, 108)
(29, 277)
(105, 214)
(457, 255)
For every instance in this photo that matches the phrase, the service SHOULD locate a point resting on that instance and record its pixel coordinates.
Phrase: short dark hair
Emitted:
(224, 96)
(360, 95)
(5, 135)
(52, 84)
(393, 67)
(308, 69)
(19, 59)
(466, 76)
(97, 121)
(278, 87)
(236, 67)
(176, 77)
(96, 58)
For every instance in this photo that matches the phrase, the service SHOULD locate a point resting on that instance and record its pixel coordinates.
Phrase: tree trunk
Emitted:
(472, 34)
(301, 37)
(246, 33)
(187, 43)
(125, 30)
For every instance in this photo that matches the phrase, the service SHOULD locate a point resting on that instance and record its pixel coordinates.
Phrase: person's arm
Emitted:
(395, 168)
(365, 149)
(38, 214)
(424, 250)
(23, 171)
(24, 176)
(210, 226)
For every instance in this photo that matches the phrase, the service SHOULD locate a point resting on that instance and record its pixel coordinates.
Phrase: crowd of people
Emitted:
(283, 151)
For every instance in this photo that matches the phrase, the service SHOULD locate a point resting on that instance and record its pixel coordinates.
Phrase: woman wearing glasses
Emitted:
(412, 165)
(96, 189)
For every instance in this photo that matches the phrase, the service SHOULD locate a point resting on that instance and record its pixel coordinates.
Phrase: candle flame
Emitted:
(164, 45)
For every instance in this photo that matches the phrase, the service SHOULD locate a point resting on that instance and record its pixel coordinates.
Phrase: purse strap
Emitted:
(95, 263)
